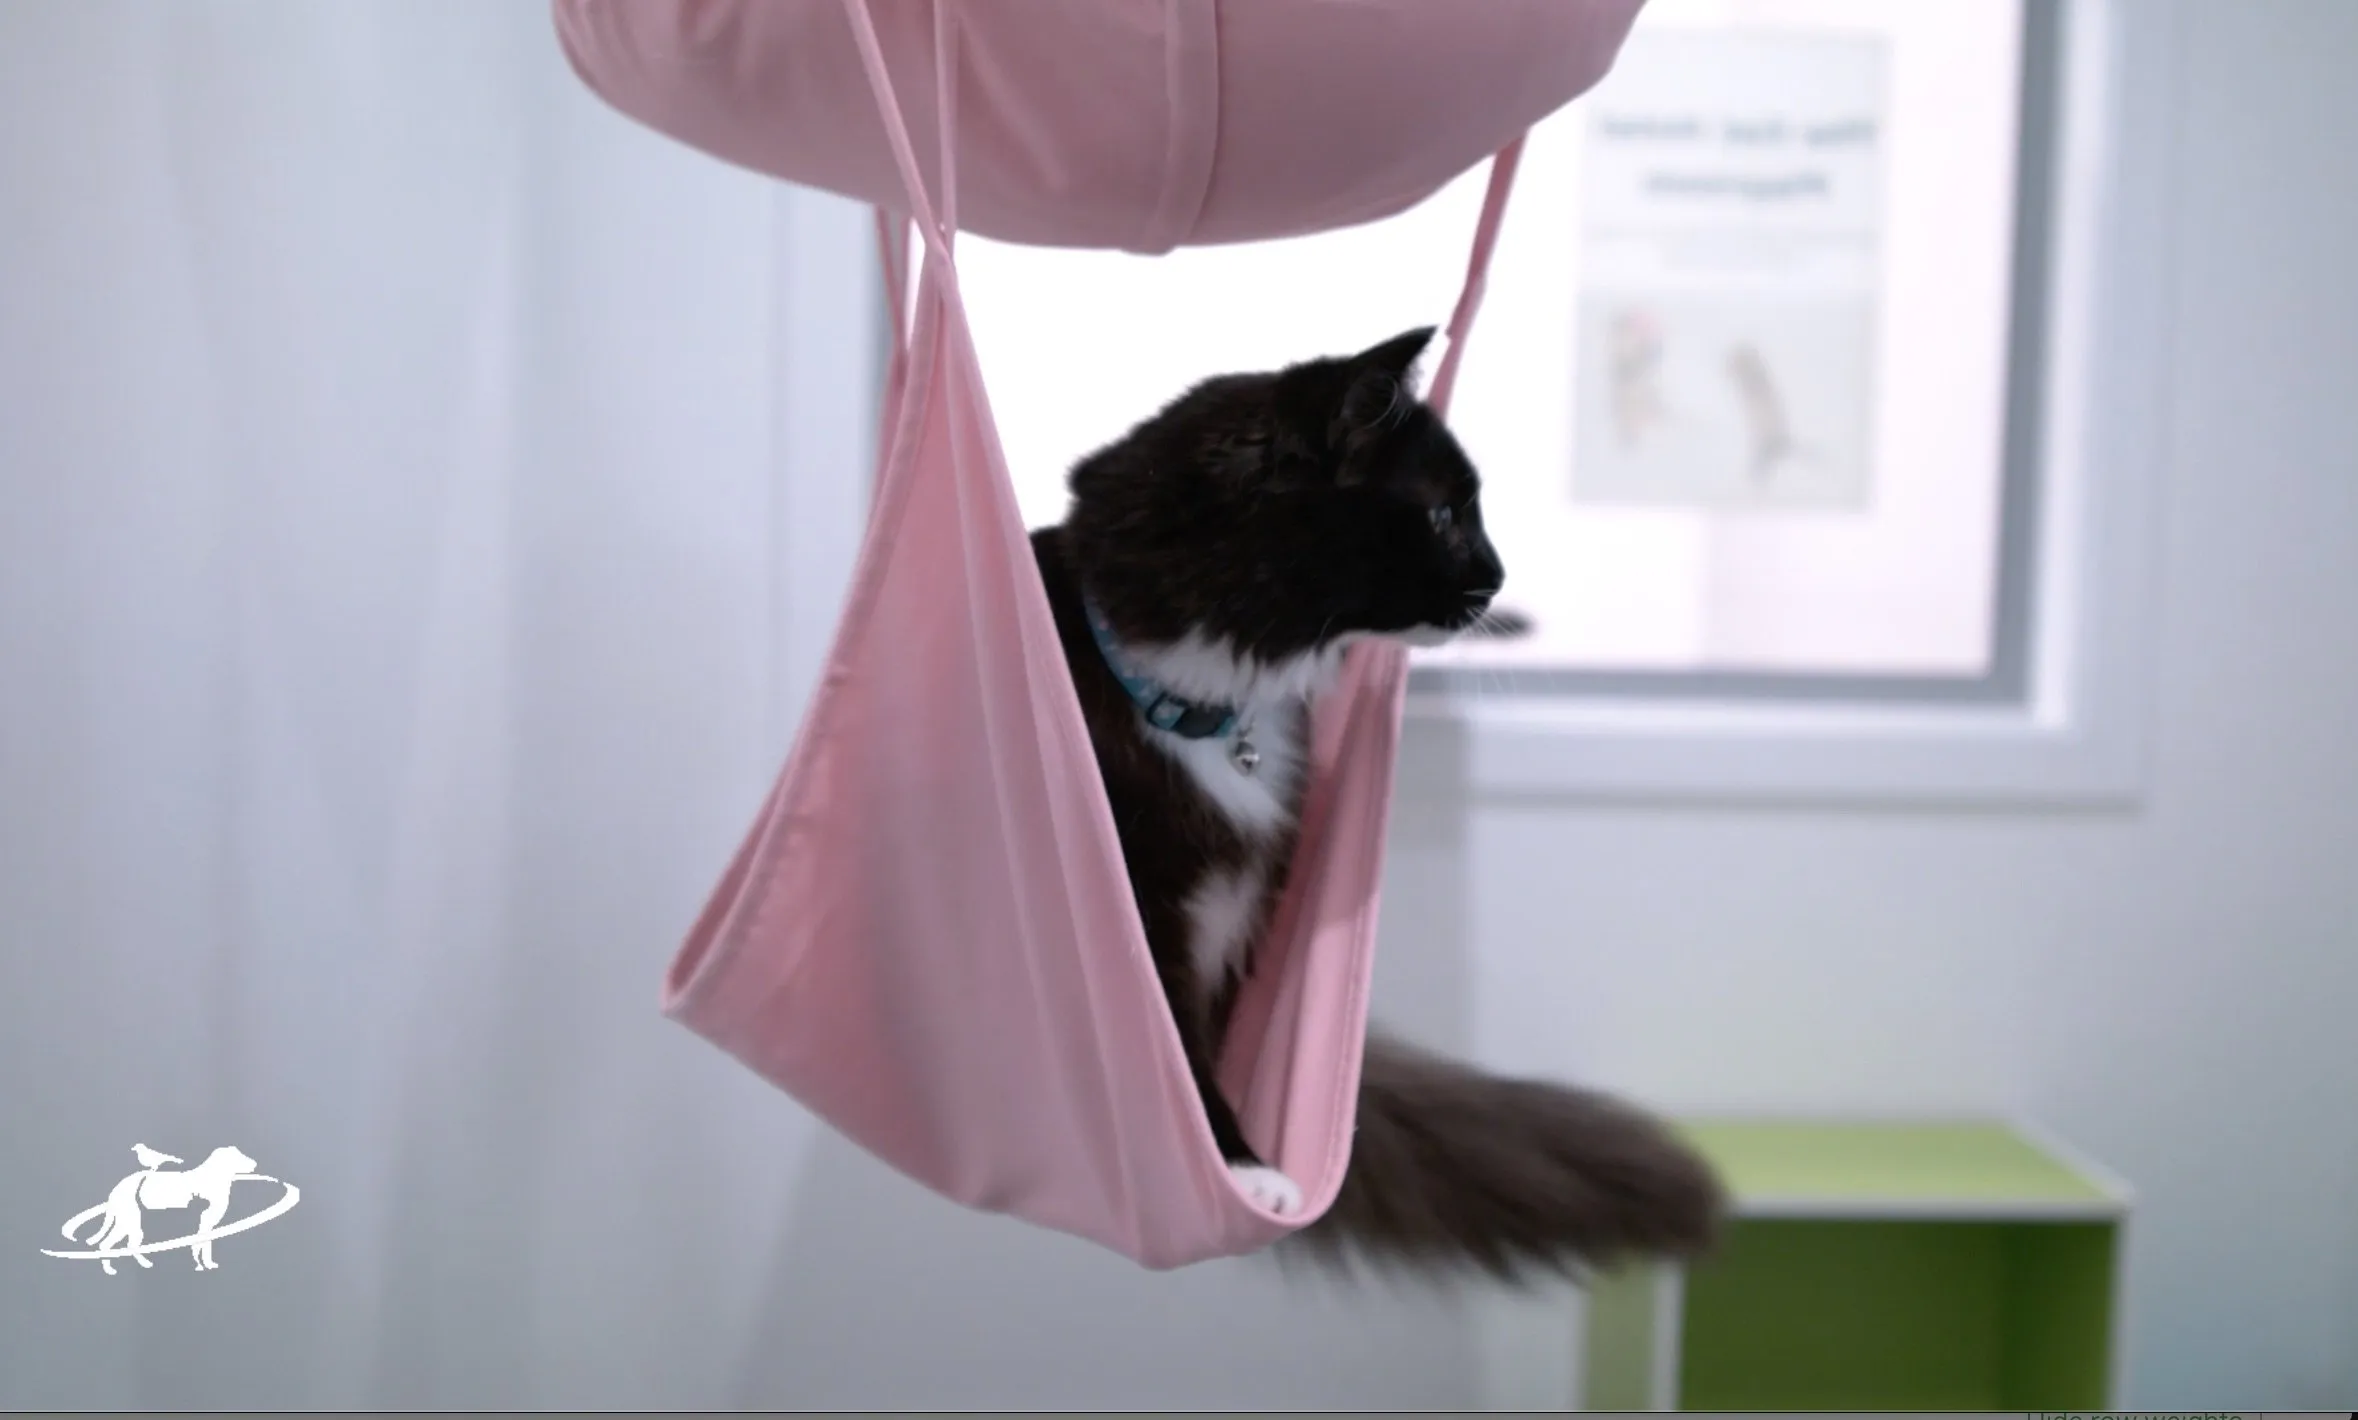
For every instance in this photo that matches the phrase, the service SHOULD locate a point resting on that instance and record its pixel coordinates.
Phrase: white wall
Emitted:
(385, 624)
(2170, 987)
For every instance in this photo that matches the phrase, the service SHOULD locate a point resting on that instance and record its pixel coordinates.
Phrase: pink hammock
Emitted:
(928, 937)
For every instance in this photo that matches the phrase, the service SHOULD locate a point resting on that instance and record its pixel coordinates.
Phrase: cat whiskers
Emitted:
(1500, 624)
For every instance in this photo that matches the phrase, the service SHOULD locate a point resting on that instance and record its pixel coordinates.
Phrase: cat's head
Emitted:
(1282, 513)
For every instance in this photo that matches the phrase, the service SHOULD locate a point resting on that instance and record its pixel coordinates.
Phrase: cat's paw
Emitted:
(1269, 1188)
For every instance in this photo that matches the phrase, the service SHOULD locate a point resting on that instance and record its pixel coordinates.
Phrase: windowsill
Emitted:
(1498, 747)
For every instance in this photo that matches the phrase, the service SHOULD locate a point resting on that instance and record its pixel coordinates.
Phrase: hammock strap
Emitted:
(934, 230)
(1469, 298)
(892, 229)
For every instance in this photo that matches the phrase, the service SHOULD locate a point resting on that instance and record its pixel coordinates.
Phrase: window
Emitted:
(1761, 390)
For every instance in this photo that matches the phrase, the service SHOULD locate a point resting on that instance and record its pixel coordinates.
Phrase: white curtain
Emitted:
(421, 511)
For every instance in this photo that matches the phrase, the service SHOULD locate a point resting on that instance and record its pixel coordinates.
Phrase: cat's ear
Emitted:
(1397, 356)
(1375, 389)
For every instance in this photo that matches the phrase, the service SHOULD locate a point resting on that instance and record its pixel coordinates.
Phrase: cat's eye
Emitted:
(1444, 518)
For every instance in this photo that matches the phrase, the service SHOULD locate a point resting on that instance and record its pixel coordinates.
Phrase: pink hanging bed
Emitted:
(927, 936)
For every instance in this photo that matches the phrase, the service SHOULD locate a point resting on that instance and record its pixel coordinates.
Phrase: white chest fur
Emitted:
(1268, 697)
(1222, 916)
(1225, 911)
(1256, 803)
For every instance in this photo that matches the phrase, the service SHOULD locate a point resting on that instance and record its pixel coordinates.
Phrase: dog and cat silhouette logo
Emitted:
(121, 1219)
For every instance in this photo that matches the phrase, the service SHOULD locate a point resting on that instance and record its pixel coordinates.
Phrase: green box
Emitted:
(1876, 1266)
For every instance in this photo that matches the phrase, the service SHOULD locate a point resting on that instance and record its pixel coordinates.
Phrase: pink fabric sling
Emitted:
(927, 936)
(1134, 124)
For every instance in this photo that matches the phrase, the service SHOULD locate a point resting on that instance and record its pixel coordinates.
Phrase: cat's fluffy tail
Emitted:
(1456, 1170)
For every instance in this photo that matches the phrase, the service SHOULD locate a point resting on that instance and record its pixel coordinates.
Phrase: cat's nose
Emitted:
(1487, 572)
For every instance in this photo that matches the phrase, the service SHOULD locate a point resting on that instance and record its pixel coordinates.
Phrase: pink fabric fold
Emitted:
(1134, 124)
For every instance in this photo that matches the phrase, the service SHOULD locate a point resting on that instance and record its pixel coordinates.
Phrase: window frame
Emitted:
(2061, 716)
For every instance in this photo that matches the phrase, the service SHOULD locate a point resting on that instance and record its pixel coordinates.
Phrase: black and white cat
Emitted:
(1214, 566)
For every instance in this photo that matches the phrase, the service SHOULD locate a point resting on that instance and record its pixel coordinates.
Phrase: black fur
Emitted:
(1280, 514)
(1284, 510)
(1454, 1170)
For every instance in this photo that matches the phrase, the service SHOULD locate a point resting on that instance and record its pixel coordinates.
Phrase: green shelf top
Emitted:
(1901, 1166)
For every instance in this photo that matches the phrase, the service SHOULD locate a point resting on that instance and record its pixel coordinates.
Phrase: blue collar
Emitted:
(1188, 719)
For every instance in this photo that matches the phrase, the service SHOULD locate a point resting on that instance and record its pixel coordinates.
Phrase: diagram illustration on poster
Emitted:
(1732, 213)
